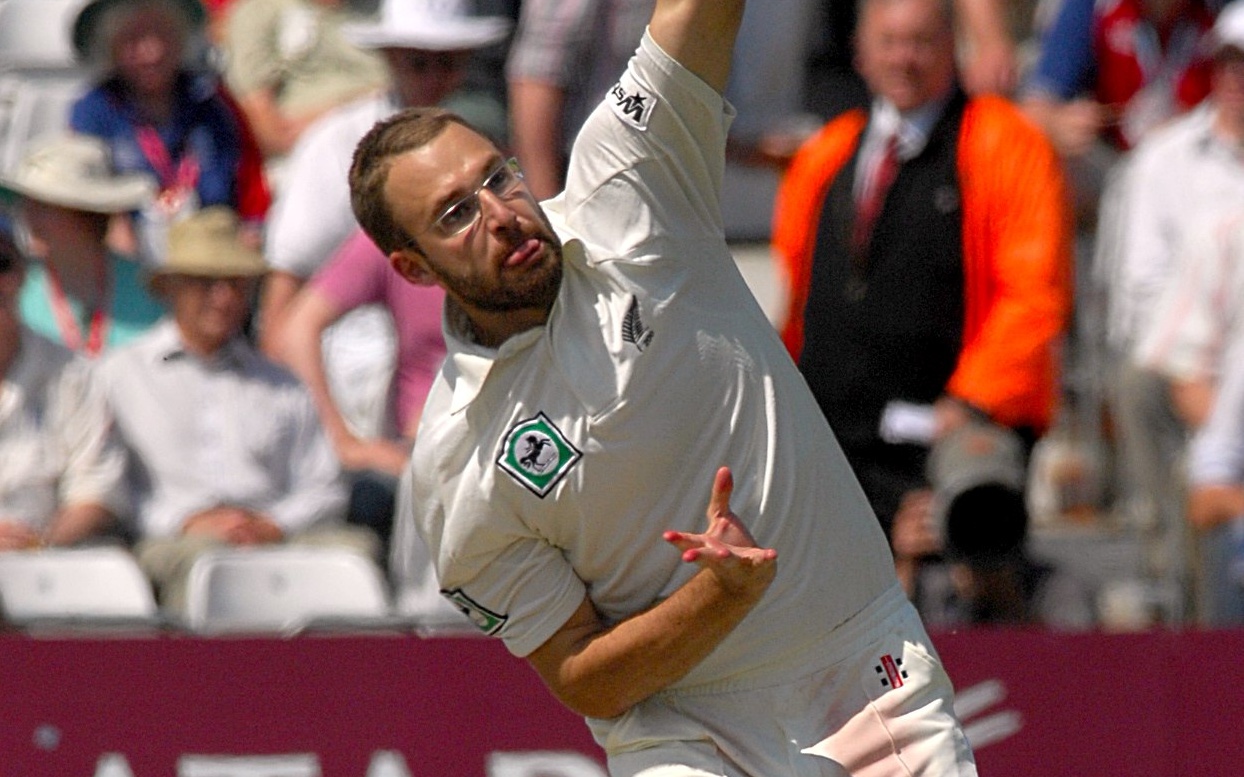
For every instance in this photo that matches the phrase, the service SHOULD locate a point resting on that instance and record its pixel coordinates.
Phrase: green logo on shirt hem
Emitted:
(537, 454)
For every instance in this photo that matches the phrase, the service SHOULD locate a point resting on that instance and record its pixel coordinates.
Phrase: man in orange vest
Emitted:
(926, 245)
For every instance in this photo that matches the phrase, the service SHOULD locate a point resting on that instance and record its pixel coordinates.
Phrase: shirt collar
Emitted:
(1208, 140)
(911, 127)
(469, 363)
(167, 346)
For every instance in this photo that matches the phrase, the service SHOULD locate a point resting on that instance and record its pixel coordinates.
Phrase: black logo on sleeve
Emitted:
(633, 105)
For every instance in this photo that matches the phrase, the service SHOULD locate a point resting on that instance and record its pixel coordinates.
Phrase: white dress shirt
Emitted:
(911, 129)
(56, 446)
(1198, 312)
(233, 430)
(1178, 177)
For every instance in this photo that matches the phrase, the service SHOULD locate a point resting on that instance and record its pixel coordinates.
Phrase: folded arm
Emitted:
(601, 671)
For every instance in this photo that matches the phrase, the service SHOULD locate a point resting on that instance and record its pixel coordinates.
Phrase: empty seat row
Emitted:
(275, 590)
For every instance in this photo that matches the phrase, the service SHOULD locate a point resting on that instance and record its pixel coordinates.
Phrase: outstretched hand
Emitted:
(727, 548)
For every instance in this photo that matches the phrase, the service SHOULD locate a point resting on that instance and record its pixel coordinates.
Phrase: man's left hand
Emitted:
(727, 547)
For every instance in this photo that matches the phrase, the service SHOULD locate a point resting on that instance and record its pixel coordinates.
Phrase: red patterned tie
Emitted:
(868, 206)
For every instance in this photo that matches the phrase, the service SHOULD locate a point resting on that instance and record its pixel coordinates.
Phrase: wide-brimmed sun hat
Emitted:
(74, 171)
(1228, 29)
(207, 244)
(86, 24)
(427, 25)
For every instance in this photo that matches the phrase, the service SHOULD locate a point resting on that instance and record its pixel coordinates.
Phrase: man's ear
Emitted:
(409, 264)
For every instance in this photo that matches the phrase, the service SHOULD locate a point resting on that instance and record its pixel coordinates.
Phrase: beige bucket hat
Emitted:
(75, 171)
(206, 244)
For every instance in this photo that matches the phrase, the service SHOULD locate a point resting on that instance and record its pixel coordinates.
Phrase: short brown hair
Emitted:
(411, 129)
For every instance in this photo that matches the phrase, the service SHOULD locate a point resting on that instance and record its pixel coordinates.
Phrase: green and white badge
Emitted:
(537, 454)
(484, 619)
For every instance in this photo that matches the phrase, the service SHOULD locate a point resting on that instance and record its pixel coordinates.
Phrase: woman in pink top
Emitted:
(359, 274)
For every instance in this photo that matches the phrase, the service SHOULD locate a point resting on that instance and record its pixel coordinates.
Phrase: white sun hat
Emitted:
(427, 25)
(74, 171)
(1229, 27)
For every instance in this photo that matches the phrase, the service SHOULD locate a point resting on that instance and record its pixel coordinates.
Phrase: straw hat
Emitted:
(86, 24)
(427, 25)
(74, 171)
(205, 244)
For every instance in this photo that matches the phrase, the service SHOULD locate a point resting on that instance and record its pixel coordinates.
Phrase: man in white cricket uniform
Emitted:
(556, 464)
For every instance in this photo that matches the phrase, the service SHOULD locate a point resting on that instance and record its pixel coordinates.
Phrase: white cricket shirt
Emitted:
(549, 468)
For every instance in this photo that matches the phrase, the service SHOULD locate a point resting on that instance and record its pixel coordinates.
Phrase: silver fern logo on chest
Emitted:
(633, 329)
(537, 455)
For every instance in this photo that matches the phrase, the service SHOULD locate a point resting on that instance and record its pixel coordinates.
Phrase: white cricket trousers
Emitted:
(881, 706)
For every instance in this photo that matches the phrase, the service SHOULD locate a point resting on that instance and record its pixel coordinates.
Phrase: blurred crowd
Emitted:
(1007, 233)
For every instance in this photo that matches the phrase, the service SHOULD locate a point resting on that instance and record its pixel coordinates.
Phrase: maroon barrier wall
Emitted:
(1149, 705)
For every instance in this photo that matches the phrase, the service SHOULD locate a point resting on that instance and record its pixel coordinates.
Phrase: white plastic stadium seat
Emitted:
(285, 589)
(34, 34)
(417, 595)
(39, 76)
(89, 586)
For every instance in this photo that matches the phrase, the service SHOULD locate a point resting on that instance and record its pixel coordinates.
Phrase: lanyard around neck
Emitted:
(183, 175)
(67, 322)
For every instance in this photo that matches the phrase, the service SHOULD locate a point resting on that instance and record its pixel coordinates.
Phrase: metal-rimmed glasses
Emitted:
(501, 182)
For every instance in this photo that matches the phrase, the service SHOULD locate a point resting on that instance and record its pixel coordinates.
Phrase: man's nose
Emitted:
(496, 210)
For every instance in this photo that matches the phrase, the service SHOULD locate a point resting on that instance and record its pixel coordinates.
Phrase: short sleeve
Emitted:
(1065, 60)
(658, 138)
(251, 53)
(355, 275)
(311, 217)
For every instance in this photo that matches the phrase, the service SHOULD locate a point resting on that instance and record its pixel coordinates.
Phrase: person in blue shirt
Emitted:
(161, 116)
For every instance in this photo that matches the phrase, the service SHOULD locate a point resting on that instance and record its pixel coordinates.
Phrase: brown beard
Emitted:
(536, 289)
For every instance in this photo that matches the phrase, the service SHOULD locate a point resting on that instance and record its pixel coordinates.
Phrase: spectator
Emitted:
(427, 45)
(606, 360)
(62, 481)
(1170, 296)
(1215, 471)
(833, 86)
(566, 54)
(224, 446)
(1108, 72)
(78, 293)
(360, 275)
(288, 63)
(961, 547)
(951, 306)
(160, 117)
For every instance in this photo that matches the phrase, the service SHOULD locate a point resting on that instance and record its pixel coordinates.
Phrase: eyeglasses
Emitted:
(501, 182)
